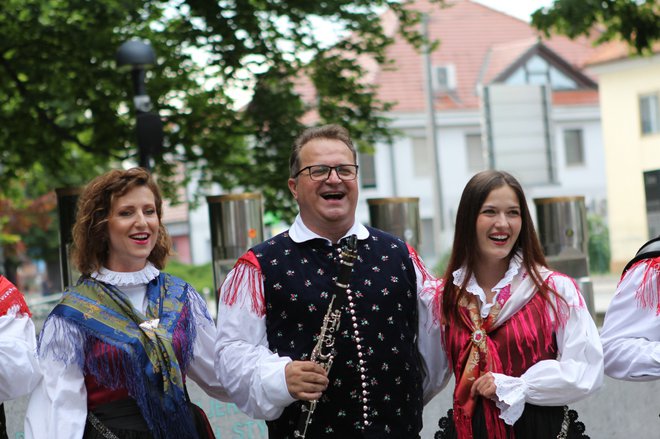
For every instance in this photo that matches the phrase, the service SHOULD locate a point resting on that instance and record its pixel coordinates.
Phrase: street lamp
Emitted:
(136, 56)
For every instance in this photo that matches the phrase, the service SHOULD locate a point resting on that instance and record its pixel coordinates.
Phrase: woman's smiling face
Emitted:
(132, 230)
(498, 224)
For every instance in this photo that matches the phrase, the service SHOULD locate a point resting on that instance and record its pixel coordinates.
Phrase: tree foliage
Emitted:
(27, 215)
(637, 22)
(63, 102)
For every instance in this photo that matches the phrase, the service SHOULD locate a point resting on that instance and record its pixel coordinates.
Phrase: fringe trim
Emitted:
(12, 299)
(563, 307)
(246, 275)
(648, 292)
(120, 365)
(428, 280)
(66, 344)
(437, 304)
(431, 286)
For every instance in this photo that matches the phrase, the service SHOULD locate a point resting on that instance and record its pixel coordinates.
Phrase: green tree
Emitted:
(63, 102)
(599, 244)
(28, 221)
(637, 22)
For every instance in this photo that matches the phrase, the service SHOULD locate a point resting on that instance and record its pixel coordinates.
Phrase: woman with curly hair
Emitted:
(117, 349)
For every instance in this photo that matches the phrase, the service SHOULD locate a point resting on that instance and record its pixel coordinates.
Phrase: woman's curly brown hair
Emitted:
(90, 232)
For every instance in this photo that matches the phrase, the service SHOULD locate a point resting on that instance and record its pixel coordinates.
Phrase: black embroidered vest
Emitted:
(375, 386)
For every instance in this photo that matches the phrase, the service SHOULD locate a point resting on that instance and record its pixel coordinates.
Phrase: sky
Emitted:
(518, 8)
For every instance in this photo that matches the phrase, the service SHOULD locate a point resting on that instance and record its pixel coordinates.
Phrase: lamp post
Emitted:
(136, 56)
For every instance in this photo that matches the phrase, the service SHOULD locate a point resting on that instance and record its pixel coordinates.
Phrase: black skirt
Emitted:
(3, 423)
(536, 422)
(123, 420)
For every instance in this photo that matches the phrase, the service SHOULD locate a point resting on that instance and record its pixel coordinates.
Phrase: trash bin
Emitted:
(398, 216)
(236, 222)
(563, 232)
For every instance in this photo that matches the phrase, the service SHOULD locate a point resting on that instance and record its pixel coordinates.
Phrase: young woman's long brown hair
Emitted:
(465, 247)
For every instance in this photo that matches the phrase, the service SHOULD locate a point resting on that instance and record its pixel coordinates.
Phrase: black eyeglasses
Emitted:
(322, 172)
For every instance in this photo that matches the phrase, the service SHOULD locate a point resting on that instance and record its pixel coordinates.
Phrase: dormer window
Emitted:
(538, 71)
(444, 78)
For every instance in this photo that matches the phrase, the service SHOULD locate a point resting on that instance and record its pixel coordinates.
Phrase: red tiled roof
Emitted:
(468, 32)
(479, 41)
(575, 97)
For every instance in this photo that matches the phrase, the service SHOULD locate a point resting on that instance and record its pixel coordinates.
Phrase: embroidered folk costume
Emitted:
(19, 368)
(271, 310)
(118, 347)
(537, 355)
(631, 330)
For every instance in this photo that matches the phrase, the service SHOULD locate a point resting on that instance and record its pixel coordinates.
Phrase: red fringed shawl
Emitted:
(11, 297)
(648, 292)
(477, 346)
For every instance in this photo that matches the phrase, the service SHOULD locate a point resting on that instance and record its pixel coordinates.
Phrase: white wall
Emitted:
(588, 180)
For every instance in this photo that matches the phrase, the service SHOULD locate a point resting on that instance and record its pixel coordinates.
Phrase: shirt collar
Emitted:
(122, 279)
(473, 287)
(299, 232)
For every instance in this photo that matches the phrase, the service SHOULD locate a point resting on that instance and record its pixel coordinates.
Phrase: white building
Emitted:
(503, 98)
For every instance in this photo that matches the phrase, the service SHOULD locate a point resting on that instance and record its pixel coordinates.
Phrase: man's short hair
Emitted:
(332, 131)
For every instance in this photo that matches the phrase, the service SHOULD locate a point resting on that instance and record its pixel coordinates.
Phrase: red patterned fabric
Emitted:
(11, 297)
(476, 346)
(98, 394)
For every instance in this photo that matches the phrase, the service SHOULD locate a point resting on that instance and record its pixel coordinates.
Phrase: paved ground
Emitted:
(619, 410)
(604, 286)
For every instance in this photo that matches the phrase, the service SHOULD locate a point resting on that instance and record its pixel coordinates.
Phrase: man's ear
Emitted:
(293, 187)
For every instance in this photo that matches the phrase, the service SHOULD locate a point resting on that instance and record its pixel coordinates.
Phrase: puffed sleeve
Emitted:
(202, 366)
(19, 368)
(58, 406)
(429, 340)
(631, 330)
(252, 375)
(576, 373)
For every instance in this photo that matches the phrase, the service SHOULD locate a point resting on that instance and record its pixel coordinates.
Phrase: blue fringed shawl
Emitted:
(144, 360)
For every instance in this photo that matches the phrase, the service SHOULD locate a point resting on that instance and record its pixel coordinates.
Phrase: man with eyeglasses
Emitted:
(389, 360)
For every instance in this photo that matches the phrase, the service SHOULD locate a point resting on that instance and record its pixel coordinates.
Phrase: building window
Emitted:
(367, 170)
(475, 153)
(444, 78)
(574, 147)
(652, 190)
(422, 158)
(649, 113)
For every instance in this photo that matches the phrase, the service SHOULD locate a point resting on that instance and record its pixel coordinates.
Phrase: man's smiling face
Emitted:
(326, 207)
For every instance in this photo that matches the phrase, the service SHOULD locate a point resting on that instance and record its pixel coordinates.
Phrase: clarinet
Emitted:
(324, 351)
